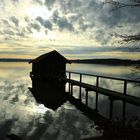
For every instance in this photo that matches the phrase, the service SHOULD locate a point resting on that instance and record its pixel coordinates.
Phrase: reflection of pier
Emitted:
(113, 95)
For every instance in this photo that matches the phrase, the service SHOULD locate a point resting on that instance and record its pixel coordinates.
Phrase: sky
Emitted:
(78, 29)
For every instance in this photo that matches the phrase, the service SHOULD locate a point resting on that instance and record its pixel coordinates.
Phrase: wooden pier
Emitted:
(113, 95)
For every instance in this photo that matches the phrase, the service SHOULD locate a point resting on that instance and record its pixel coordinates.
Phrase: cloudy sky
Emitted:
(76, 28)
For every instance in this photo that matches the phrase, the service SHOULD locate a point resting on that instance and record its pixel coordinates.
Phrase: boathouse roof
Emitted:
(52, 54)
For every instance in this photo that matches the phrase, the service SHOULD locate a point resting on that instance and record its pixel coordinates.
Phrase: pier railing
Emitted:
(99, 90)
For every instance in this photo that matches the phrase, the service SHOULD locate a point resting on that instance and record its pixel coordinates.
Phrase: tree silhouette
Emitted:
(118, 4)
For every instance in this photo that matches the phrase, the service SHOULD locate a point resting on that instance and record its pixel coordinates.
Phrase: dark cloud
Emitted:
(45, 23)
(8, 32)
(22, 34)
(102, 36)
(35, 26)
(38, 1)
(14, 20)
(40, 19)
(49, 3)
(28, 30)
(6, 22)
(63, 23)
(26, 19)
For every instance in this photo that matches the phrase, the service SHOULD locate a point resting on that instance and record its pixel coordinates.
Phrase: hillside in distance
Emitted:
(108, 61)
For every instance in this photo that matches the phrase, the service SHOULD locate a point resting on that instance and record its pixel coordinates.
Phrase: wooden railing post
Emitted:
(124, 103)
(80, 87)
(69, 83)
(71, 90)
(86, 97)
(96, 101)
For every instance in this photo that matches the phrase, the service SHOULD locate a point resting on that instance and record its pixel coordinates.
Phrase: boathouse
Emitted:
(49, 65)
(48, 70)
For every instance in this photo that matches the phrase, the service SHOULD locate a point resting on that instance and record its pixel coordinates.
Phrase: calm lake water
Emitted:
(22, 115)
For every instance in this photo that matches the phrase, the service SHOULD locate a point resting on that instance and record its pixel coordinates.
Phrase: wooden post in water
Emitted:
(86, 97)
(80, 87)
(96, 102)
(124, 103)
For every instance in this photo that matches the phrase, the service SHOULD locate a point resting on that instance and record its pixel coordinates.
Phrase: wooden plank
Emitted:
(117, 95)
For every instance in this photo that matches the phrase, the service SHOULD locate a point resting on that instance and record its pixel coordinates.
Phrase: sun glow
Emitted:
(35, 11)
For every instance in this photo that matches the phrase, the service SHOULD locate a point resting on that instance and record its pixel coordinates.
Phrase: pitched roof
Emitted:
(50, 54)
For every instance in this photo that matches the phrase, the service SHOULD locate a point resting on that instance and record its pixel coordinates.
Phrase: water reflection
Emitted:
(22, 115)
(132, 72)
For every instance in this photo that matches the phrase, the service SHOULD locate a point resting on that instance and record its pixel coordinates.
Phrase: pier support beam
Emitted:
(80, 96)
(124, 103)
(96, 99)
(86, 97)
(71, 93)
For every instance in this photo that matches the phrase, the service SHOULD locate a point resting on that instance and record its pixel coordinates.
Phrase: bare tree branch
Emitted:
(128, 38)
(118, 4)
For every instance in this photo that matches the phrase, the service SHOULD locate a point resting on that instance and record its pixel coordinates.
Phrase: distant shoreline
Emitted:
(108, 61)
(14, 60)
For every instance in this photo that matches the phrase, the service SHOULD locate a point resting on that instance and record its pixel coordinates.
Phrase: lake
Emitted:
(22, 115)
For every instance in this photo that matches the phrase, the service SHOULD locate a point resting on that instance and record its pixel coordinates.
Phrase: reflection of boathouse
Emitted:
(46, 75)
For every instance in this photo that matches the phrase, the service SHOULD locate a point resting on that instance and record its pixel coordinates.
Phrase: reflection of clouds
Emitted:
(20, 114)
(64, 124)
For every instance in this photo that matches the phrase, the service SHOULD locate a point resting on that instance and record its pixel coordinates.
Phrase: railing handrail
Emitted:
(107, 77)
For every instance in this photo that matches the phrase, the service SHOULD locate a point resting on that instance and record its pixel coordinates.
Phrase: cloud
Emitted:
(14, 20)
(63, 23)
(15, 1)
(40, 2)
(35, 26)
(45, 23)
(49, 3)
(8, 32)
